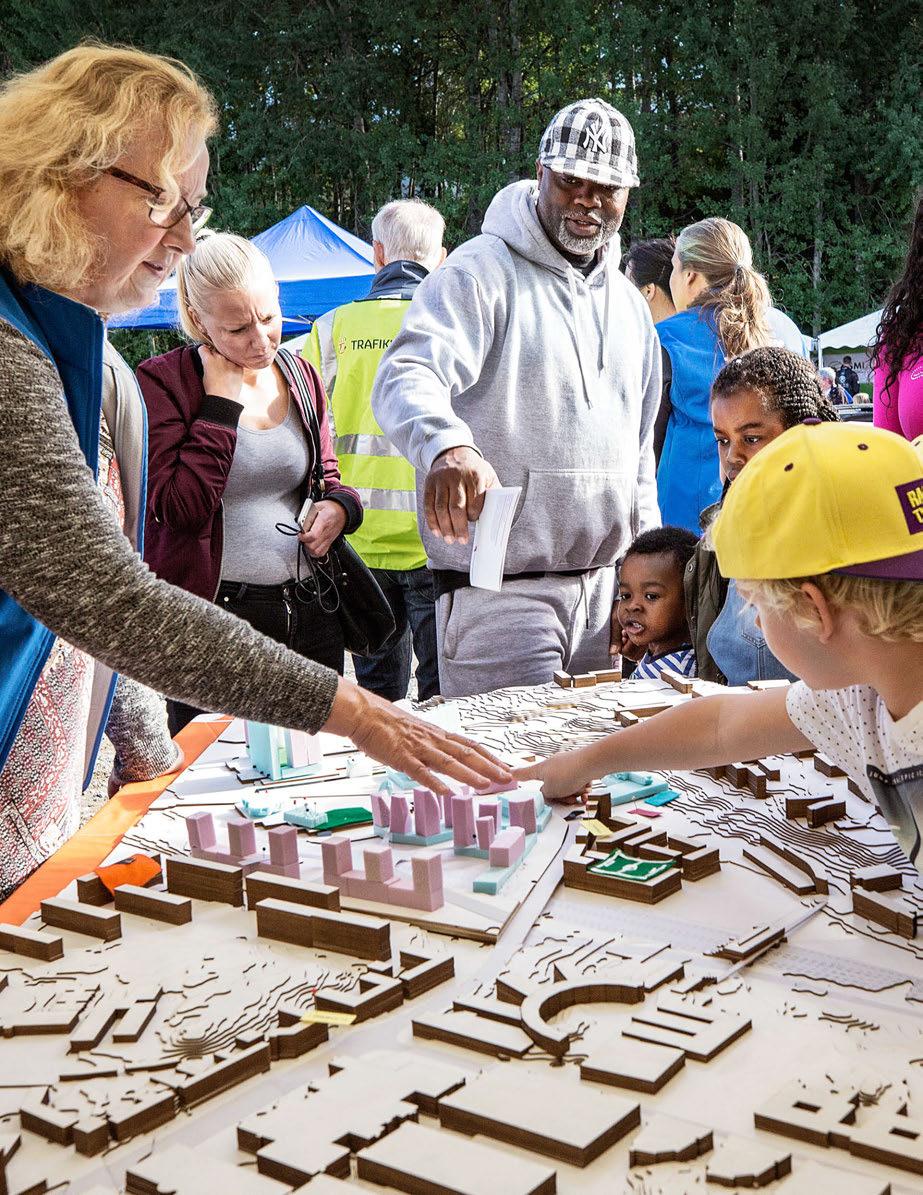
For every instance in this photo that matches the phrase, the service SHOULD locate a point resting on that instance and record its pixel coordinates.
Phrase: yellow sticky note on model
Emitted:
(317, 1016)
(596, 828)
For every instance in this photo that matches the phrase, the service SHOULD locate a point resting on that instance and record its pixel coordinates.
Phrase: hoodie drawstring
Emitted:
(604, 337)
(589, 381)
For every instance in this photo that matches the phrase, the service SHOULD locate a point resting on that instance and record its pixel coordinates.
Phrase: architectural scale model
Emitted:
(281, 754)
(502, 828)
(725, 993)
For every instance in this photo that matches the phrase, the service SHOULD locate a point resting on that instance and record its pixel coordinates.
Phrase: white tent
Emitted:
(297, 343)
(856, 336)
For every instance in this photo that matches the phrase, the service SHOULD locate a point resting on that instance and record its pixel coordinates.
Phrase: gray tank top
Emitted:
(264, 488)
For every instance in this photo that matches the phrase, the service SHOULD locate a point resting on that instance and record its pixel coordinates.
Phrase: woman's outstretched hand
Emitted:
(396, 738)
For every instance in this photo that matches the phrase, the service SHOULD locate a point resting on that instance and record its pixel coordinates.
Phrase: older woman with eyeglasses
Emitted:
(103, 165)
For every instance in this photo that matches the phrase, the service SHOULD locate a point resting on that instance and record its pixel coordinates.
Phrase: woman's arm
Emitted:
(696, 734)
(65, 559)
(137, 729)
(188, 463)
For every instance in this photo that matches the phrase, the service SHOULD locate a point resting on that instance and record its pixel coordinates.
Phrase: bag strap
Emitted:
(294, 375)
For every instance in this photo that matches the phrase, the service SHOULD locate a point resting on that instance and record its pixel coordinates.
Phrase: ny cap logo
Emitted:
(597, 136)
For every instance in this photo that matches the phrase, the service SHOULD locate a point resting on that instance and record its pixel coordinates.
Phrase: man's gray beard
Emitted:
(585, 246)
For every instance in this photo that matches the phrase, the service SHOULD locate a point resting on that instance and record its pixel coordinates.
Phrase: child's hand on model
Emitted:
(559, 782)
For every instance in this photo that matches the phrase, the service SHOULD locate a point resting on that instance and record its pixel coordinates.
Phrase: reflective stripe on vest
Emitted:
(405, 500)
(364, 445)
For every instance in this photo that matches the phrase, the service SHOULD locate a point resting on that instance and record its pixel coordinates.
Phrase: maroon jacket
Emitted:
(192, 436)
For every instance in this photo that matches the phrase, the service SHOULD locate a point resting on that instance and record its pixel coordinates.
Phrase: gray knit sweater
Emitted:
(65, 559)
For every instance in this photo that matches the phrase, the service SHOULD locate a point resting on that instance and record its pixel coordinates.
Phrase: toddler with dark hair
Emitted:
(650, 608)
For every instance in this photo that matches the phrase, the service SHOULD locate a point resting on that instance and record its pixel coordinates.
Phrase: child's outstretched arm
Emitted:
(696, 734)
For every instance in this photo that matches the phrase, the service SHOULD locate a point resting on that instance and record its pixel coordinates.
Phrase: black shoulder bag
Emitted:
(341, 581)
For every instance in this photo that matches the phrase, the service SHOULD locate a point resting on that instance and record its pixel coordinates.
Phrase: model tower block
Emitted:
(432, 817)
(282, 754)
(242, 850)
(377, 881)
(501, 830)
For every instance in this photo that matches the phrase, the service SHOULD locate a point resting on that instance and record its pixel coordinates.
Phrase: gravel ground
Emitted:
(96, 795)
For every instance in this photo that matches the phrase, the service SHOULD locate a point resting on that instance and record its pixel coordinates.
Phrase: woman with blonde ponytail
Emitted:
(232, 457)
(722, 305)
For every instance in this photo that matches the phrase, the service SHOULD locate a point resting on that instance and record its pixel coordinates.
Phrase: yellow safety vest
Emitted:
(386, 481)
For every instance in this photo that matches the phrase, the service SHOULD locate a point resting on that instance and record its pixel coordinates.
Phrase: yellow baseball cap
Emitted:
(823, 498)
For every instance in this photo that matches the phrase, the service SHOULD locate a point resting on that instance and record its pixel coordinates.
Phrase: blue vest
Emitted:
(687, 476)
(71, 336)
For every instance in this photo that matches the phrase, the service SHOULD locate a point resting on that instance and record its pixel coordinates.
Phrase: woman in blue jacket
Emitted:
(721, 312)
(103, 165)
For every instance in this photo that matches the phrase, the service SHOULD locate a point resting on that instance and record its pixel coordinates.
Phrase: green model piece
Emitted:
(335, 819)
(627, 868)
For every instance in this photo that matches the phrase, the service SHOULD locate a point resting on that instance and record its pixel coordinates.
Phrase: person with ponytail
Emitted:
(722, 307)
(897, 357)
(754, 399)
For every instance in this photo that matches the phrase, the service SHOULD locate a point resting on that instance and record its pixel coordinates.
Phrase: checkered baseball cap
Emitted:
(590, 139)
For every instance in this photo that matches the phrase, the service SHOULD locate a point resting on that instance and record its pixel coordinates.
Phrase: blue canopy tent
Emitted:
(317, 265)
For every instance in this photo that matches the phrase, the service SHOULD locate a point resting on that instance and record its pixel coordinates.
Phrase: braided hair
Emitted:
(899, 336)
(786, 383)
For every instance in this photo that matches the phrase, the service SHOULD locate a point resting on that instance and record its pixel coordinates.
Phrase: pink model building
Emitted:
(400, 814)
(303, 749)
(463, 821)
(486, 828)
(522, 813)
(490, 809)
(508, 847)
(427, 818)
(242, 849)
(381, 811)
(376, 881)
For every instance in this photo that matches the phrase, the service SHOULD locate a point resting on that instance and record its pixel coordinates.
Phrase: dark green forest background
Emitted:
(802, 121)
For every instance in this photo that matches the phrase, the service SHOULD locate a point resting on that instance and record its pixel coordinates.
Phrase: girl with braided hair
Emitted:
(754, 399)
(897, 356)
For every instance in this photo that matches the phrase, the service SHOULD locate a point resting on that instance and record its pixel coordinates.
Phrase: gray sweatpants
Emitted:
(524, 633)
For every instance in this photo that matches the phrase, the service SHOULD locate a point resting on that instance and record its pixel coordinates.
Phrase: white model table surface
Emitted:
(836, 1008)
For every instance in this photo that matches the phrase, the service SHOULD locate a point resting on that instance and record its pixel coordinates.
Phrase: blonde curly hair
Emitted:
(65, 122)
(885, 609)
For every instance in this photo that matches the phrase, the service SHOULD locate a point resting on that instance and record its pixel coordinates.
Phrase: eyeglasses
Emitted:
(165, 217)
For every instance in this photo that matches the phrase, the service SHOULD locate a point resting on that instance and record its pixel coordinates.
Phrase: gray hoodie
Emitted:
(554, 377)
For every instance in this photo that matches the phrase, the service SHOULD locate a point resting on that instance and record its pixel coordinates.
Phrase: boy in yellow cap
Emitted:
(823, 532)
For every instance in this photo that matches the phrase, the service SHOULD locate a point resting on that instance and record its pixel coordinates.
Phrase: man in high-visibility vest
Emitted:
(346, 345)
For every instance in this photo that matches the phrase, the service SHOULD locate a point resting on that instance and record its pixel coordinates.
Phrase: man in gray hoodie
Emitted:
(528, 360)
